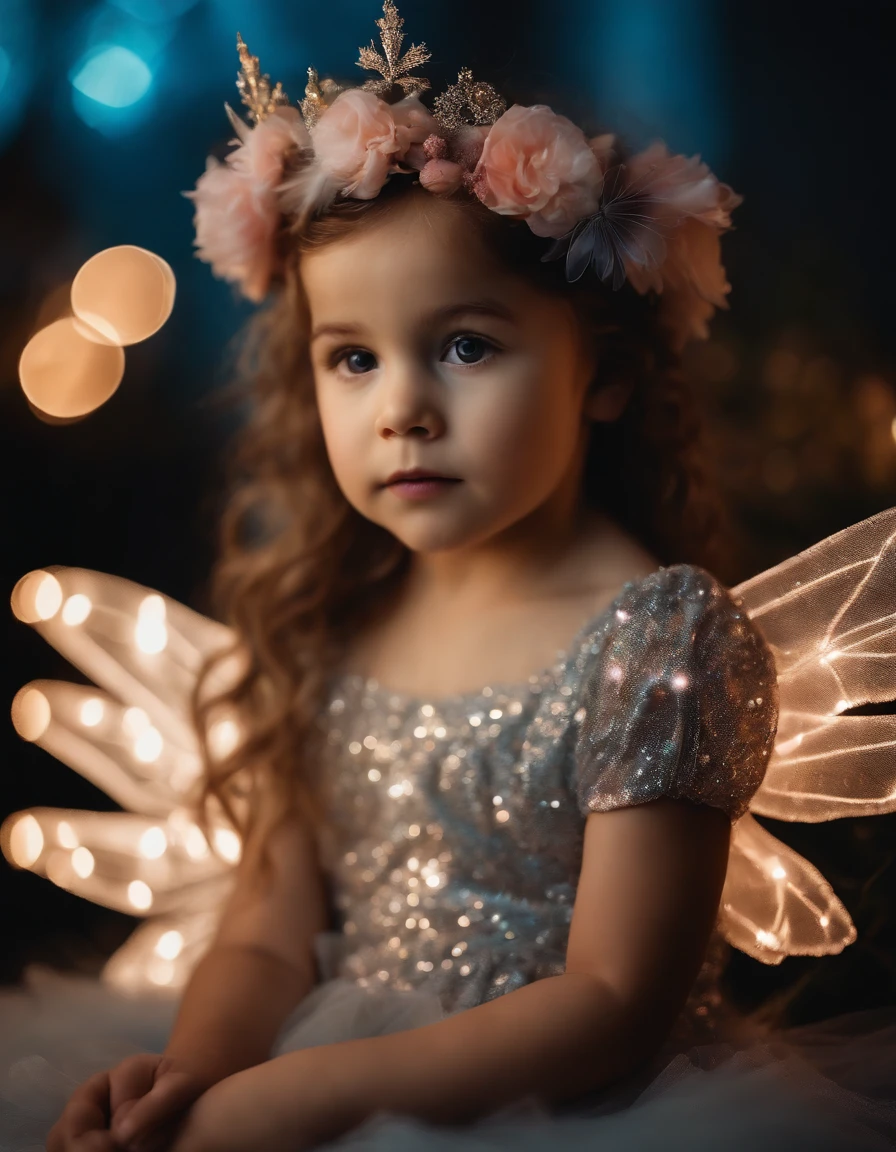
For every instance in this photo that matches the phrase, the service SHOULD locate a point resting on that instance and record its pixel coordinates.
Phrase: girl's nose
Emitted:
(408, 402)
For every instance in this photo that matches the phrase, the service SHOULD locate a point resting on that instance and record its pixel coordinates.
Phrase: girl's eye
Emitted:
(470, 349)
(359, 360)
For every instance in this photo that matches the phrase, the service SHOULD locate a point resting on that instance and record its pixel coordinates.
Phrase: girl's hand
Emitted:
(147, 1084)
(150, 1096)
(84, 1123)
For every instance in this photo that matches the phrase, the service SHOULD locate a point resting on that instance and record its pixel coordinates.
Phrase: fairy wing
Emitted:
(132, 734)
(829, 615)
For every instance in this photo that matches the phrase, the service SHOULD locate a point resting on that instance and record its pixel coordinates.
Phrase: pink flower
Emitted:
(539, 165)
(681, 186)
(435, 147)
(692, 209)
(237, 212)
(360, 139)
(449, 161)
(264, 147)
(413, 124)
(441, 176)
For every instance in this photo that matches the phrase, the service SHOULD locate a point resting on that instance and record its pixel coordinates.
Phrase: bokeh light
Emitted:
(66, 835)
(150, 633)
(140, 895)
(120, 296)
(64, 374)
(83, 862)
(109, 83)
(77, 609)
(170, 945)
(123, 295)
(148, 746)
(153, 843)
(92, 712)
(228, 844)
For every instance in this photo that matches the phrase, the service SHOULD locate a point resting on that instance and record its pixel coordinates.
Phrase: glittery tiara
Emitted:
(653, 220)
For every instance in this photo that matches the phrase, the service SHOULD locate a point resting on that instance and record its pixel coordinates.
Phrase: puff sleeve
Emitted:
(680, 699)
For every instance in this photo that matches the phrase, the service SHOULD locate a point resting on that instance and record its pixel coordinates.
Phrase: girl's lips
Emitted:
(421, 488)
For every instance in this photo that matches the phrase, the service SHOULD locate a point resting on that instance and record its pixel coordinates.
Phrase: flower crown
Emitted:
(654, 220)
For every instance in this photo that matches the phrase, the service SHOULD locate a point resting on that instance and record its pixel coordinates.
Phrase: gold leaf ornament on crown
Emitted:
(255, 87)
(468, 101)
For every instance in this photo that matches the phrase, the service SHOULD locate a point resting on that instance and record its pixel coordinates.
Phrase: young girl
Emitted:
(496, 717)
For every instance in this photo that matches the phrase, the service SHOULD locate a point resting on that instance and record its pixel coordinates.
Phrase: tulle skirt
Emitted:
(824, 1086)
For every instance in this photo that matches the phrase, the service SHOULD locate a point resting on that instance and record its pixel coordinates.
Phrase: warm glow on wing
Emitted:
(30, 713)
(26, 842)
(37, 596)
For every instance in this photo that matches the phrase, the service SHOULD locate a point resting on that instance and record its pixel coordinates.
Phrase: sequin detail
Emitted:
(682, 700)
(455, 826)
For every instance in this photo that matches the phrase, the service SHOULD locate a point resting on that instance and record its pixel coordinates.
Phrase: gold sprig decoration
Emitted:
(468, 101)
(394, 68)
(319, 95)
(254, 88)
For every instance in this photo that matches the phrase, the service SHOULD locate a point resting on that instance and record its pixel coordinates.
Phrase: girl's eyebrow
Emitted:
(484, 307)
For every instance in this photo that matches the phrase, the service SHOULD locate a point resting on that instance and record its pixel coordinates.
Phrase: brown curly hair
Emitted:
(301, 569)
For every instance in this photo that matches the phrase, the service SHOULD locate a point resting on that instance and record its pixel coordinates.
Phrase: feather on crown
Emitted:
(654, 220)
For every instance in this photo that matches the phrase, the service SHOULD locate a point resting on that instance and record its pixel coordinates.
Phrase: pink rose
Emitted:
(360, 139)
(413, 123)
(236, 206)
(354, 142)
(539, 165)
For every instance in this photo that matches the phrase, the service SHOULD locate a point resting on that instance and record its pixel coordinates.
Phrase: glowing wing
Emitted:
(829, 614)
(133, 736)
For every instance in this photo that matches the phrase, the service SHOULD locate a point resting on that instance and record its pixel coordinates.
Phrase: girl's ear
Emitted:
(606, 401)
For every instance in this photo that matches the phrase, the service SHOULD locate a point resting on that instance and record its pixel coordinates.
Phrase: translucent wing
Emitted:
(134, 737)
(829, 614)
(775, 903)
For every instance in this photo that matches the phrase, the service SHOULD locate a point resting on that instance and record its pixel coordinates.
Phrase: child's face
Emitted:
(446, 362)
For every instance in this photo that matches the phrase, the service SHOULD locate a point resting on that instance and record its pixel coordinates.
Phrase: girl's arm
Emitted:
(651, 880)
(260, 965)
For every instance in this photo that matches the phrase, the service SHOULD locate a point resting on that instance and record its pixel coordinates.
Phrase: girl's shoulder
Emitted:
(678, 695)
(682, 608)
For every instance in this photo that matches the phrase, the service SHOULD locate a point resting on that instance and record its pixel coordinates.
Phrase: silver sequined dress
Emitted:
(456, 825)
